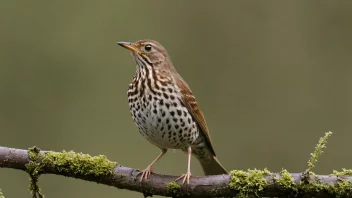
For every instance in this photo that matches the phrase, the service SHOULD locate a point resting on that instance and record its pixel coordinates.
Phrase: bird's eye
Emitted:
(148, 48)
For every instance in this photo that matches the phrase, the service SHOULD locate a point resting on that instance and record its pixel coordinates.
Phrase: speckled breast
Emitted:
(161, 117)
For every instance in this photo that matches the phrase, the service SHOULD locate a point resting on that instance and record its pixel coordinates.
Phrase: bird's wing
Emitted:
(190, 102)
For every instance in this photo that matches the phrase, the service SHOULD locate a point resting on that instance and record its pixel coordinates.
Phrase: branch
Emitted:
(100, 170)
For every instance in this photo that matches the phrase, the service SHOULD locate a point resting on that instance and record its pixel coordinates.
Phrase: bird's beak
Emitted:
(128, 46)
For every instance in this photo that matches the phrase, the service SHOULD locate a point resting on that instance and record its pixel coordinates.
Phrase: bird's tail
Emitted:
(212, 167)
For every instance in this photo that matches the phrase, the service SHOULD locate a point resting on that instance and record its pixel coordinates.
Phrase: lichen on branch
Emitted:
(71, 163)
(33, 169)
(250, 182)
(67, 163)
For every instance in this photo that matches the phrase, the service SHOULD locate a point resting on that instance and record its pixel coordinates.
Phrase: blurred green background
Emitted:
(270, 76)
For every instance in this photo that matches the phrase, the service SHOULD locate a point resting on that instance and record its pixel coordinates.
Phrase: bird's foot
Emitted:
(145, 174)
(184, 177)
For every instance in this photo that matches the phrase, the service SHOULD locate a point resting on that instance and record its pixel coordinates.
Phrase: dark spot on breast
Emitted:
(179, 112)
(193, 125)
(150, 97)
(174, 119)
(172, 113)
(166, 96)
(161, 102)
(154, 111)
(170, 90)
(158, 93)
(175, 104)
(185, 113)
(162, 128)
(180, 131)
(163, 89)
(163, 114)
(159, 119)
(189, 120)
(143, 99)
(172, 97)
(169, 127)
(167, 120)
(182, 123)
(176, 126)
(167, 105)
(155, 98)
(174, 134)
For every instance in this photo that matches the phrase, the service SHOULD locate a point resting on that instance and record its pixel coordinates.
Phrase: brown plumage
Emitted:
(165, 109)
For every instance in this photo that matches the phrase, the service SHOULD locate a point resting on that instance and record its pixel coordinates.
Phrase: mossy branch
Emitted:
(258, 183)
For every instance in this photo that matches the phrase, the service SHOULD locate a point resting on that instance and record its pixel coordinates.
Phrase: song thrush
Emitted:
(165, 110)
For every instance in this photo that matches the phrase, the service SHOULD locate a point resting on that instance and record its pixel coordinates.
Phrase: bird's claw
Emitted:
(145, 174)
(184, 177)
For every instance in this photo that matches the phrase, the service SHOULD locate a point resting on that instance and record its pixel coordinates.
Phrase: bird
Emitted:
(165, 110)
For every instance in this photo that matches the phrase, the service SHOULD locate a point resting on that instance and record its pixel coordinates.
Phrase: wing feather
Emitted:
(191, 104)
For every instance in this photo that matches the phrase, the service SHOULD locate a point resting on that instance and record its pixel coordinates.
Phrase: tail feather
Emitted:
(213, 167)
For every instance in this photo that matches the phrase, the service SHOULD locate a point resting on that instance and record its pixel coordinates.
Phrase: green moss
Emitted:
(309, 188)
(340, 189)
(1, 195)
(33, 153)
(344, 172)
(252, 182)
(286, 183)
(33, 169)
(173, 188)
(248, 183)
(68, 163)
(72, 163)
(318, 150)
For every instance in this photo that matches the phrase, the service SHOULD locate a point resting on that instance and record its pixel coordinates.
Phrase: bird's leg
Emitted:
(188, 174)
(146, 172)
